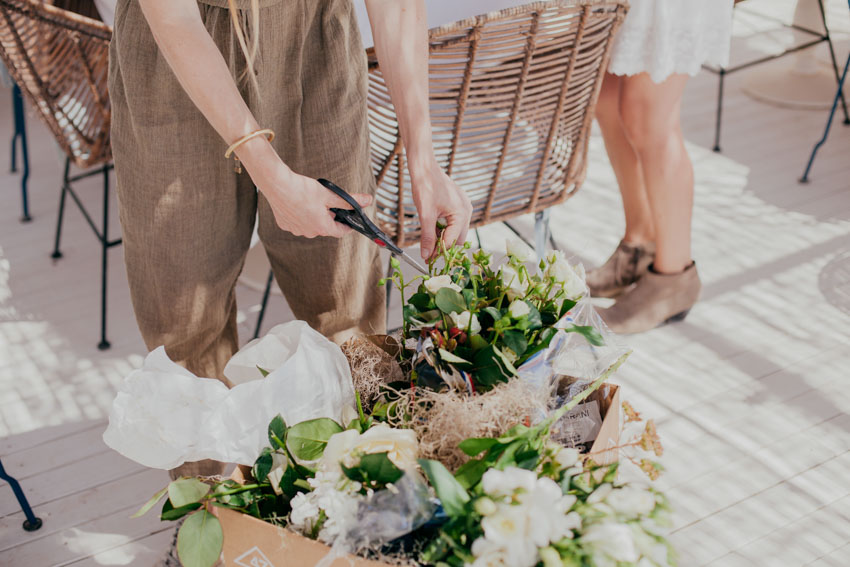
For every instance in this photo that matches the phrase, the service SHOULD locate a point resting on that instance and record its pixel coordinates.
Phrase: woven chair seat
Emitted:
(60, 61)
(512, 96)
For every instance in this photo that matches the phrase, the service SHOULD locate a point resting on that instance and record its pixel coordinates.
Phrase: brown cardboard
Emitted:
(249, 542)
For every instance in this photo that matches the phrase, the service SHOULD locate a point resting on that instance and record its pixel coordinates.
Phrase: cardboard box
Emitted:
(249, 542)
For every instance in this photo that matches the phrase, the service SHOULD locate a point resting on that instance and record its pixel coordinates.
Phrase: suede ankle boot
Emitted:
(654, 300)
(625, 266)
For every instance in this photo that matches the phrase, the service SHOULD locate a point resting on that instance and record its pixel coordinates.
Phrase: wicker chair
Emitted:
(59, 59)
(512, 98)
(512, 95)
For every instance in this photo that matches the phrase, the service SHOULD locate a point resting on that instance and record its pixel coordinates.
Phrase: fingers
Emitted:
(429, 235)
(363, 199)
(333, 228)
(451, 235)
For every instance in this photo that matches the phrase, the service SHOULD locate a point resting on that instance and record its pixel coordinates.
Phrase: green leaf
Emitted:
(469, 297)
(488, 369)
(446, 356)
(277, 432)
(494, 313)
(186, 490)
(150, 503)
(452, 495)
(199, 540)
(288, 480)
(515, 340)
(422, 301)
(477, 445)
(566, 306)
(534, 320)
(307, 440)
(592, 335)
(263, 465)
(450, 301)
(477, 342)
(170, 513)
(374, 468)
(470, 473)
(263, 371)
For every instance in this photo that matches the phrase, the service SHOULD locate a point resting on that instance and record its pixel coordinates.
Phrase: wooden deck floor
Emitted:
(751, 392)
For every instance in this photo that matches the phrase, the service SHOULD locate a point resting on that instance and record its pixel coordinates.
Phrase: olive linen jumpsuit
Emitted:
(187, 217)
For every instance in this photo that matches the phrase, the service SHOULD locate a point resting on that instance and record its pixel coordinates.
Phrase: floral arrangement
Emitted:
(477, 323)
(404, 480)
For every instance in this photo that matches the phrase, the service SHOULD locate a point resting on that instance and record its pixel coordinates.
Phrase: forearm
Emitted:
(202, 72)
(401, 44)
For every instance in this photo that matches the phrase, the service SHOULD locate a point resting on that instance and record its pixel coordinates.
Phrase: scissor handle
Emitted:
(357, 219)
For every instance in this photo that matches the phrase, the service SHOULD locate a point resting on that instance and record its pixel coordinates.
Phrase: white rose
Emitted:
(508, 481)
(466, 321)
(339, 446)
(571, 278)
(519, 309)
(436, 283)
(611, 540)
(519, 250)
(567, 457)
(631, 501)
(400, 445)
(511, 280)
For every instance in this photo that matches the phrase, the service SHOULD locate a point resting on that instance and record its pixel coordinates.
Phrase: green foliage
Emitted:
(374, 471)
(186, 491)
(450, 301)
(150, 503)
(307, 440)
(200, 540)
(453, 496)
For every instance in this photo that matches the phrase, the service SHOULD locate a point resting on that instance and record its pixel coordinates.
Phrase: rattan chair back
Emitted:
(60, 60)
(512, 96)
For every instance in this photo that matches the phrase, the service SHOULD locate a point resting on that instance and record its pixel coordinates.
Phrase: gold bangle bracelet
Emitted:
(268, 132)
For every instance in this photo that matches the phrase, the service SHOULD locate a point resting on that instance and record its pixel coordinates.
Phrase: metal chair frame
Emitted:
(31, 523)
(20, 134)
(819, 37)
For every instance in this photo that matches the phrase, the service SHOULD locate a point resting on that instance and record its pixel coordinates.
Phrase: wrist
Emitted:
(422, 165)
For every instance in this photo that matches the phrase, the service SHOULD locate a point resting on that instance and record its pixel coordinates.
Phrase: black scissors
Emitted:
(357, 220)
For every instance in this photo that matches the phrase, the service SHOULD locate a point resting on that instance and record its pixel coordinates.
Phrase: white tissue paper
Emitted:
(164, 415)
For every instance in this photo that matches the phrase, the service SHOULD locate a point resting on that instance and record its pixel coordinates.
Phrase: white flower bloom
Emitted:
(509, 528)
(436, 283)
(571, 278)
(567, 457)
(519, 250)
(507, 482)
(547, 508)
(466, 321)
(631, 501)
(519, 309)
(511, 279)
(488, 554)
(339, 446)
(612, 541)
(400, 445)
(485, 506)
(602, 491)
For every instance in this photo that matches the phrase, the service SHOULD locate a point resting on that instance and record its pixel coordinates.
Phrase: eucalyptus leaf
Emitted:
(186, 490)
(449, 301)
(307, 440)
(150, 503)
(452, 495)
(199, 540)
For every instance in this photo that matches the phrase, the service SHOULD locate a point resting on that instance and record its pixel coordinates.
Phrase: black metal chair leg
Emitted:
(104, 242)
(841, 79)
(722, 77)
(264, 304)
(31, 523)
(838, 79)
(65, 182)
(21, 134)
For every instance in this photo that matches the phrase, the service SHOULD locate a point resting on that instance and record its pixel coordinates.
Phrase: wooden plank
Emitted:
(75, 477)
(145, 551)
(56, 453)
(97, 535)
(58, 515)
(12, 444)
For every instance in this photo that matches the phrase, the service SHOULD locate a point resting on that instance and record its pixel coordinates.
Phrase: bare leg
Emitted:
(624, 160)
(650, 117)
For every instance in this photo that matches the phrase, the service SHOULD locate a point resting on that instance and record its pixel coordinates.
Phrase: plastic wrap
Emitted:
(570, 353)
(164, 415)
(384, 516)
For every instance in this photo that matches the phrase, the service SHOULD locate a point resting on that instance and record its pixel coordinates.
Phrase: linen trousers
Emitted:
(187, 217)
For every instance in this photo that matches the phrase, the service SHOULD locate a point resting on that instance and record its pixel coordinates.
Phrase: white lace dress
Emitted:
(662, 37)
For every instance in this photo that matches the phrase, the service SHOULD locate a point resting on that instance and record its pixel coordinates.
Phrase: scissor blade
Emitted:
(406, 257)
